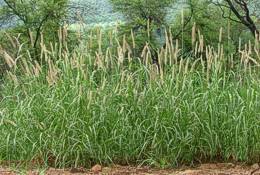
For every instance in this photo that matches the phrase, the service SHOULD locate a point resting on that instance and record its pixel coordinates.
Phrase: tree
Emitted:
(144, 17)
(240, 11)
(207, 19)
(34, 17)
(140, 11)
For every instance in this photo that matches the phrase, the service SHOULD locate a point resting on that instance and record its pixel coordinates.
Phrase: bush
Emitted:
(207, 18)
(79, 110)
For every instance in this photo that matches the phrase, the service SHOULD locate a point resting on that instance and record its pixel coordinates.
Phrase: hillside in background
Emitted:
(101, 11)
(94, 12)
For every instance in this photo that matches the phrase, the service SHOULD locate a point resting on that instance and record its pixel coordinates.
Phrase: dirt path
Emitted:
(204, 169)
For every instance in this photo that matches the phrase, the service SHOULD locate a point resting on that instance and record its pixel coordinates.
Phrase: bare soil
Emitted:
(204, 169)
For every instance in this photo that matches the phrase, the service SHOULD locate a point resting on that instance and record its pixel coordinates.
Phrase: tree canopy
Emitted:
(34, 16)
(245, 12)
(142, 10)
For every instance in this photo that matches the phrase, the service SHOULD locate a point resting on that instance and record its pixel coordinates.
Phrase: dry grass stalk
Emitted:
(201, 44)
(181, 67)
(13, 77)
(90, 98)
(36, 69)
(9, 60)
(124, 46)
(193, 36)
(120, 56)
(160, 57)
(196, 49)
(108, 58)
(144, 51)
(52, 75)
(154, 72)
(186, 70)
(239, 45)
(148, 57)
(99, 31)
(133, 39)
(220, 35)
(90, 41)
(10, 38)
(177, 50)
(193, 67)
(25, 67)
(172, 48)
(148, 28)
(99, 62)
(210, 58)
(31, 37)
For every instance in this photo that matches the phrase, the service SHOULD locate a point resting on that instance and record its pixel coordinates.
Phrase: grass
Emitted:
(106, 106)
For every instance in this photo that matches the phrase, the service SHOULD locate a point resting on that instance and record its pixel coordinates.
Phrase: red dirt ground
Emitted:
(204, 169)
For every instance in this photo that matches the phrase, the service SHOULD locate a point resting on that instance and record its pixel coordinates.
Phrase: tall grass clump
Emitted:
(102, 105)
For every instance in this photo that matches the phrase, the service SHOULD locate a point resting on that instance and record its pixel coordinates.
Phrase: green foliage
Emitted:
(144, 17)
(35, 17)
(141, 38)
(142, 10)
(96, 102)
(76, 112)
(207, 18)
